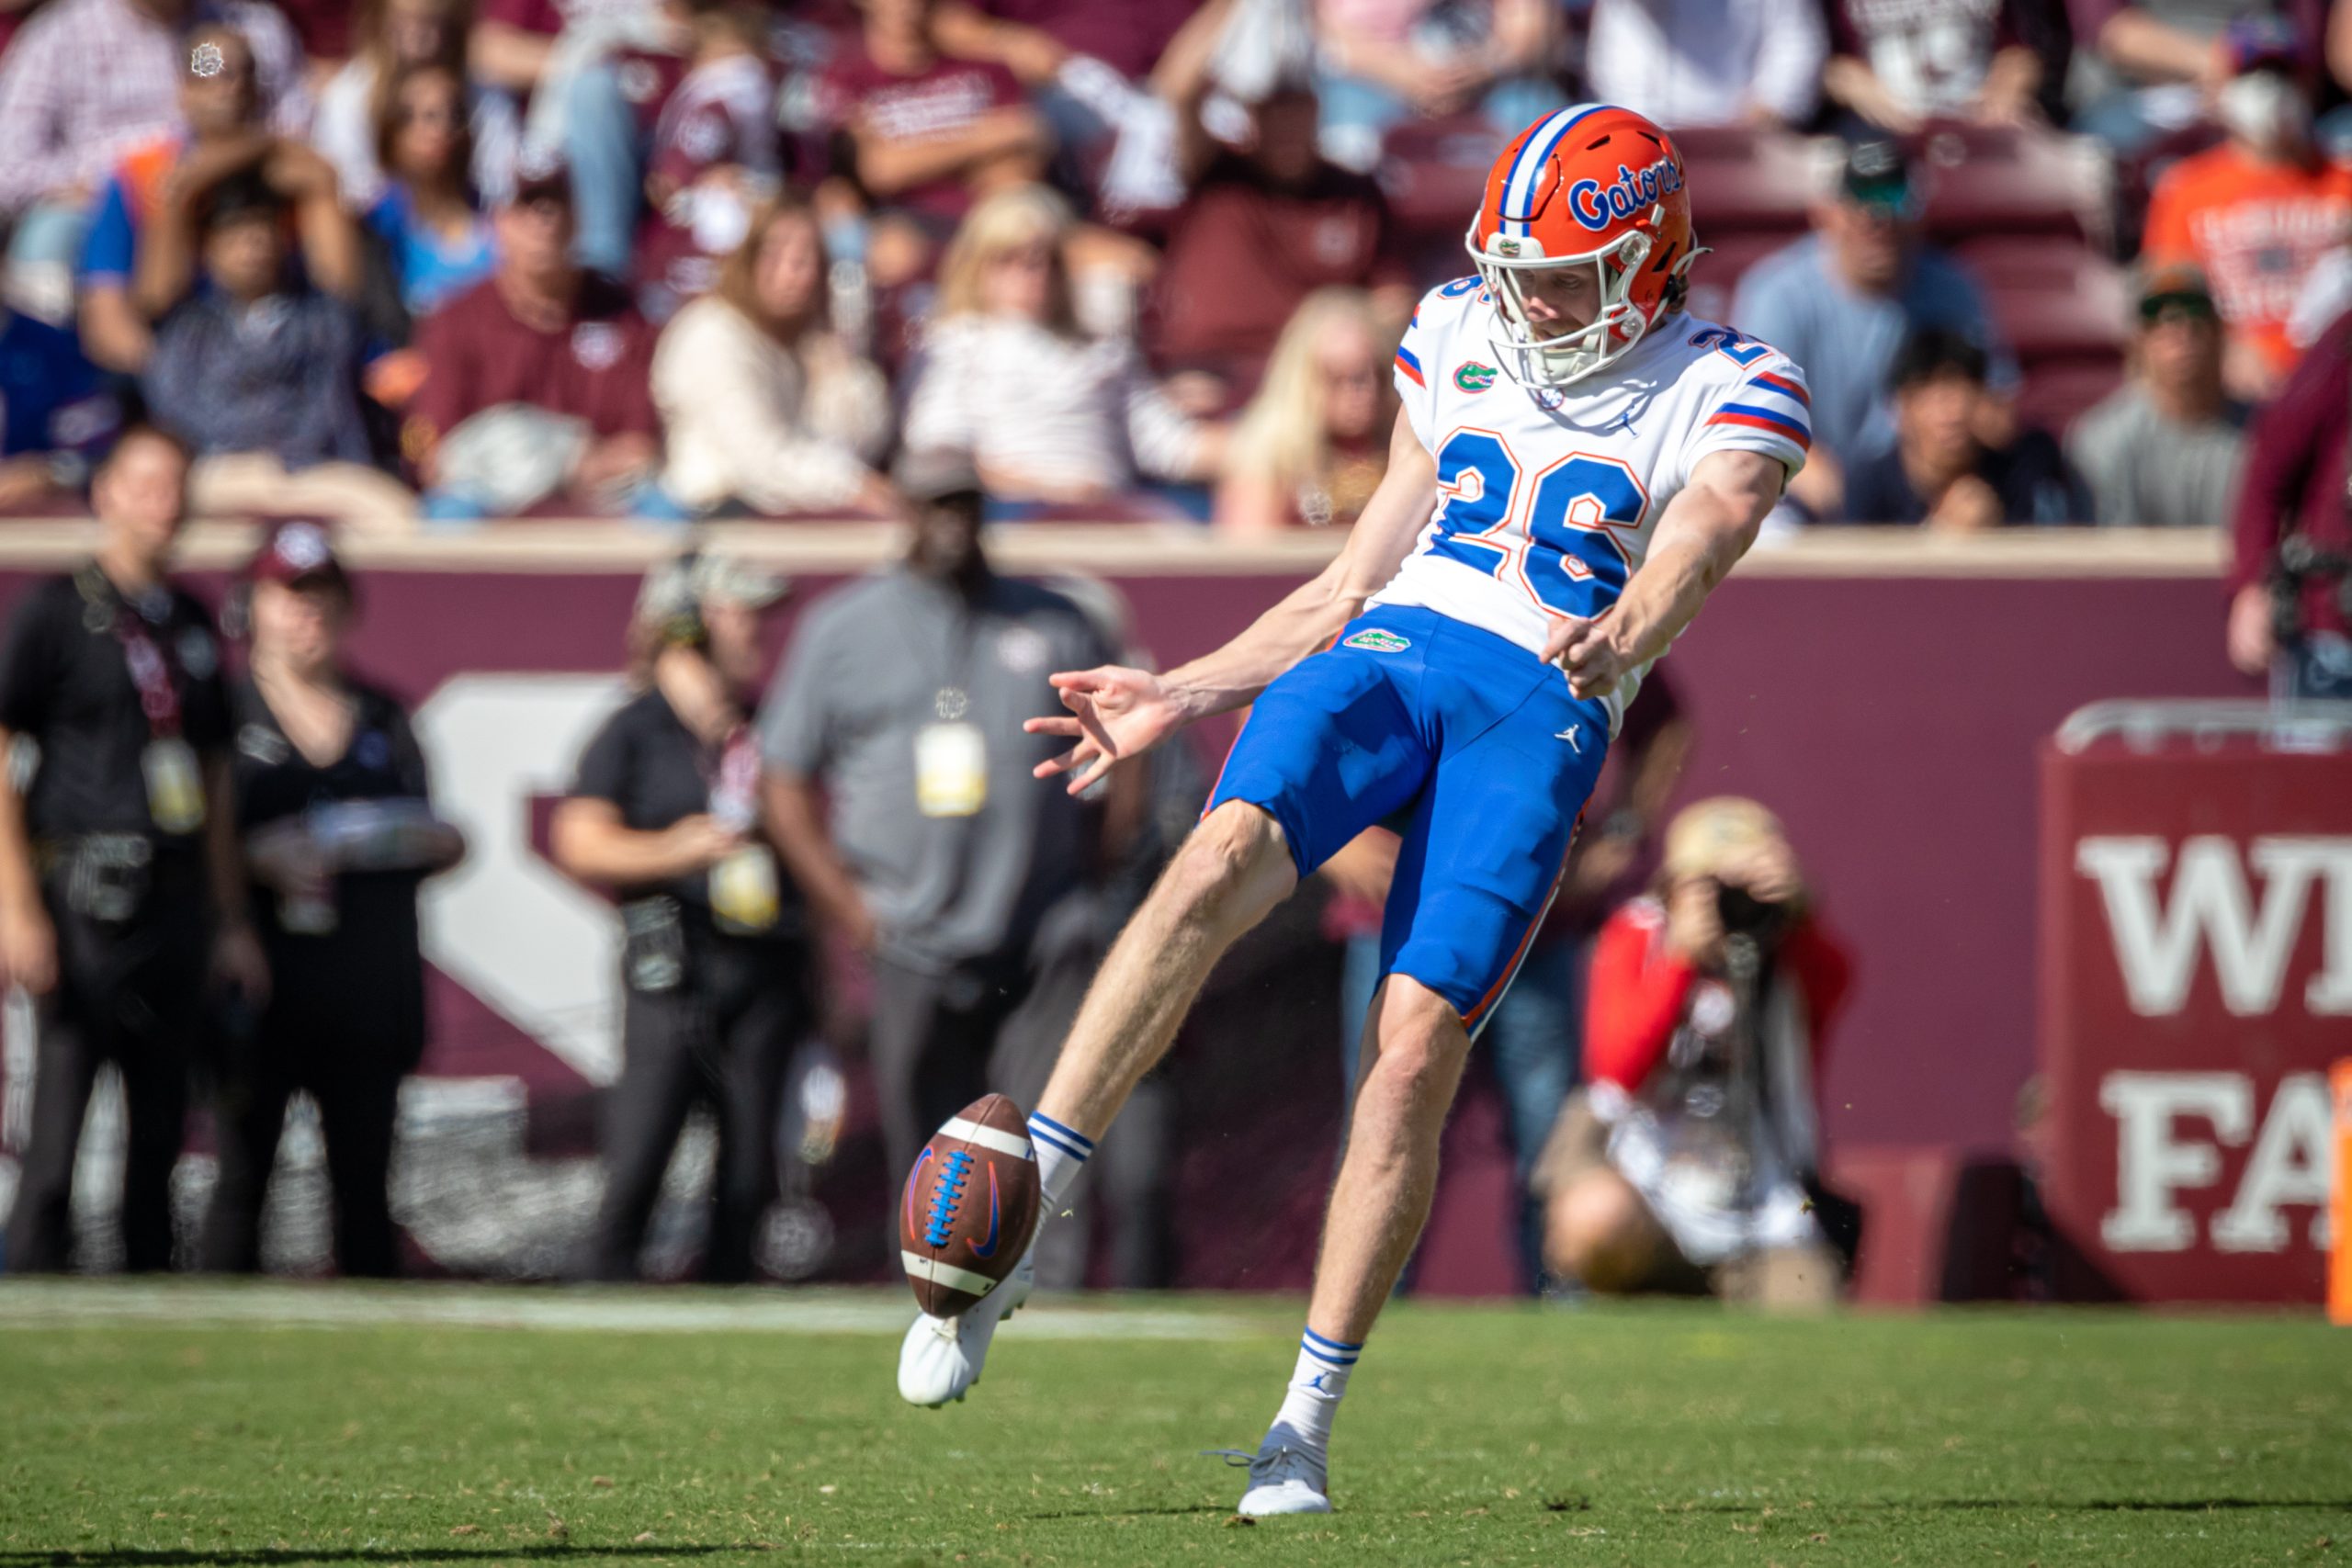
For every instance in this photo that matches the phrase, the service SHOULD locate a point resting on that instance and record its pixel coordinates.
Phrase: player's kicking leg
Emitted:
(1417, 1046)
(1231, 870)
(1329, 750)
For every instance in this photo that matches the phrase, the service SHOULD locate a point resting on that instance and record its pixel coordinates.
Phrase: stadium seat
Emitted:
(2019, 261)
(2079, 313)
(1746, 182)
(1434, 172)
(2056, 393)
(1997, 179)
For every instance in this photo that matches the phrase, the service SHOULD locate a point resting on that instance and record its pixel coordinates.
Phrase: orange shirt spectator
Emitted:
(2255, 226)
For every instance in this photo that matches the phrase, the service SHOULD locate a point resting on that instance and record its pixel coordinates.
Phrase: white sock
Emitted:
(1317, 1385)
(1061, 1155)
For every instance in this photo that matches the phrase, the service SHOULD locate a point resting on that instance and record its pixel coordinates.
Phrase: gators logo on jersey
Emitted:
(1473, 377)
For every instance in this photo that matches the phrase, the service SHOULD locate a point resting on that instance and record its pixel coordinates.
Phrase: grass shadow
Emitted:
(274, 1557)
(2040, 1505)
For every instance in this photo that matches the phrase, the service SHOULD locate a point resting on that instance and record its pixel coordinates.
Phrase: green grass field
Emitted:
(160, 1424)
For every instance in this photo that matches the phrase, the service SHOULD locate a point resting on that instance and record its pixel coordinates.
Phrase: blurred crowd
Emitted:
(416, 263)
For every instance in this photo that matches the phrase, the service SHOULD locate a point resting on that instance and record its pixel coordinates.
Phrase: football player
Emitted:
(1578, 463)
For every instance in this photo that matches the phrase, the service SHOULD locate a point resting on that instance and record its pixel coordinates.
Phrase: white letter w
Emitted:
(2156, 947)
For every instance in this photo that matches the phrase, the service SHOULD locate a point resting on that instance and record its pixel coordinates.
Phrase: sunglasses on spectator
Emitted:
(2163, 308)
(1027, 257)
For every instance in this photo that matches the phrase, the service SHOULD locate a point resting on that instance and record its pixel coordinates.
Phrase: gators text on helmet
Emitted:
(1590, 186)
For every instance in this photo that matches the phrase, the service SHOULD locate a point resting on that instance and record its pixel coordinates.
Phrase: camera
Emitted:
(1744, 914)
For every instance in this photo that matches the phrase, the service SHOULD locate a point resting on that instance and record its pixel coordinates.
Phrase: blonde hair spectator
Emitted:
(1049, 414)
(762, 404)
(1026, 224)
(1310, 446)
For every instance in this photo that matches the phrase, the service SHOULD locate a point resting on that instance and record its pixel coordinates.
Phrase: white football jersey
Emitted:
(1546, 496)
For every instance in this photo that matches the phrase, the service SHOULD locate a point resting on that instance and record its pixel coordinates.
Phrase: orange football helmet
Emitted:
(1591, 186)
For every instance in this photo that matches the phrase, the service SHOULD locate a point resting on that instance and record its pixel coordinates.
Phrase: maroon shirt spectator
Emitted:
(930, 128)
(323, 25)
(596, 363)
(1126, 35)
(1260, 233)
(715, 155)
(2296, 465)
(948, 98)
(542, 332)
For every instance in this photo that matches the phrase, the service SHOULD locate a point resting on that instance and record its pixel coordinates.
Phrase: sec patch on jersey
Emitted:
(969, 1207)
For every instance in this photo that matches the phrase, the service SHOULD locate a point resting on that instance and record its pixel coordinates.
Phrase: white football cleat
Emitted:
(941, 1358)
(1284, 1479)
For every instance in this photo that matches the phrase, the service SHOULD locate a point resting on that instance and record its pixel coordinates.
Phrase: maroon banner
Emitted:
(2196, 983)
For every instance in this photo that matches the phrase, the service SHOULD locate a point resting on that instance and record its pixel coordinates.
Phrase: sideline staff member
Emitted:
(665, 812)
(972, 884)
(120, 860)
(339, 832)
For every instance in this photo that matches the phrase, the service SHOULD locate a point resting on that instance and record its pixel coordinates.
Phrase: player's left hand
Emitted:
(1587, 651)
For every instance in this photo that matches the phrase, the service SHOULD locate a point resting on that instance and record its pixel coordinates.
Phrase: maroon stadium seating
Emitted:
(1434, 172)
(2058, 392)
(2075, 313)
(1994, 179)
(1743, 182)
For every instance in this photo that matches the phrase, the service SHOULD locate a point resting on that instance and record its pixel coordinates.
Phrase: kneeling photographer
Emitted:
(1690, 1163)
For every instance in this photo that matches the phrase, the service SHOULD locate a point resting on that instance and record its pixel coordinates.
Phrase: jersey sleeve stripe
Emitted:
(1783, 386)
(1410, 365)
(1758, 419)
(1795, 424)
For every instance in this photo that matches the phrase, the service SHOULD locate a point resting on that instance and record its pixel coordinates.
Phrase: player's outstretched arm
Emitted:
(1117, 713)
(1706, 530)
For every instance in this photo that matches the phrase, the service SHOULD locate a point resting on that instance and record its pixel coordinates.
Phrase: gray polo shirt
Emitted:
(1847, 341)
(2146, 471)
(901, 699)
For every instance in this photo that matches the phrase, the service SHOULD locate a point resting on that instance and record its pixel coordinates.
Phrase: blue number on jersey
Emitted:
(1572, 563)
(1738, 347)
(1475, 477)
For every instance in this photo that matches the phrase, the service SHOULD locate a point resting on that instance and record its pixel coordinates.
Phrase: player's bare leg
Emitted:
(1231, 871)
(1415, 1050)
(1388, 1174)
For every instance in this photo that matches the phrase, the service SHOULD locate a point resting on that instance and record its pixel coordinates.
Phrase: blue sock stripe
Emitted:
(1053, 1141)
(1068, 1138)
(1329, 1358)
(1335, 1346)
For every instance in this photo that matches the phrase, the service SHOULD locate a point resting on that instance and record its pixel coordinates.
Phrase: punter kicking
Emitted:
(1576, 465)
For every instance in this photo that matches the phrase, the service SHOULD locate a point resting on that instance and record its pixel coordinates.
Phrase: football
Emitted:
(970, 1206)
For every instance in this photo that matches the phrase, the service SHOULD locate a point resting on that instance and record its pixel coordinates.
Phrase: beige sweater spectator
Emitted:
(749, 419)
(1048, 416)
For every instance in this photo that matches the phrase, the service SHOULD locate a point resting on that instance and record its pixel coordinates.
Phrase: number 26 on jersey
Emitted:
(1553, 530)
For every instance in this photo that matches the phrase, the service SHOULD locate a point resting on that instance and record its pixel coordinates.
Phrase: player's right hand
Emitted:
(1116, 713)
